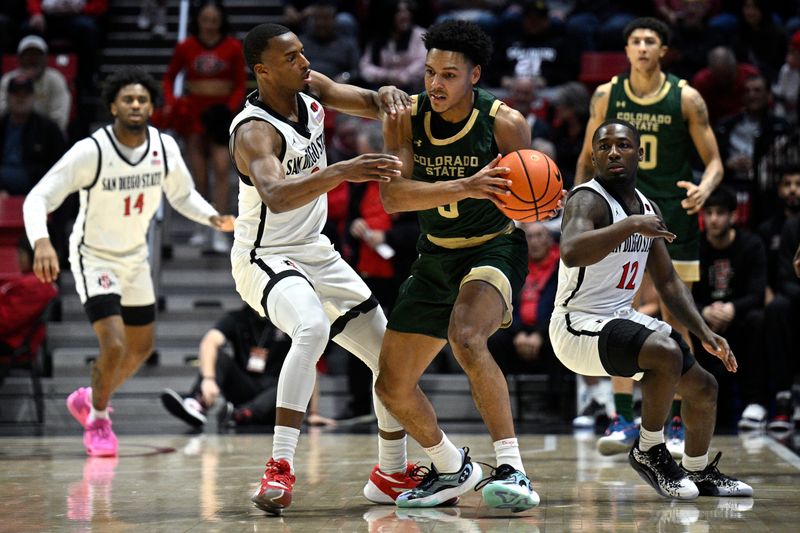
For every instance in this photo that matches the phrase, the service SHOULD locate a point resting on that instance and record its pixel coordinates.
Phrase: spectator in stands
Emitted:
(79, 21)
(336, 55)
(692, 38)
(787, 89)
(781, 339)
(743, 139)
(569, 127)
(396, 55)
(730, 298)
(524, 97)
(52, 97)
(298, 16)
(481, 12)
(213, 63)
(598, 24)
(240, 359)
(721, 83)
(770, 230)
(12, 13)
(538, 49)
(761, 42)
(22, 300)
(153, 16)
(524, 347)
(29, 142)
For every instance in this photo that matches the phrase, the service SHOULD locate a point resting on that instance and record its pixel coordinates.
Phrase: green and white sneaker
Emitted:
(440, 488)
(508, 488)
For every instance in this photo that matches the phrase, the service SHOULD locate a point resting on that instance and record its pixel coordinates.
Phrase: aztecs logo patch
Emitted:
(105, 281)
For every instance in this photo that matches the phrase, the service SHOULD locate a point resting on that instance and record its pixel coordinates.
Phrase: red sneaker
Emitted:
(384, 488)
(275, 493)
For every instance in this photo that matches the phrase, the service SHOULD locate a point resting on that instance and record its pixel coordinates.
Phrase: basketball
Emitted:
(536, 185)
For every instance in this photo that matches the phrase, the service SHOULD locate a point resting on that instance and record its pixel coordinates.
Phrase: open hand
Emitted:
(489, 183)
(651, 226)
(718, 347)
(393, 101)
(696, 196)
(369, 167)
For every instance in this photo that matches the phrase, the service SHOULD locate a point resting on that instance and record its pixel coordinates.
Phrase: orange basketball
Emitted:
(536, 185)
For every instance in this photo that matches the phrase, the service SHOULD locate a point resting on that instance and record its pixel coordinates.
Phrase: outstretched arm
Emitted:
(357, 101)
(696, 114)
(598, 106)
(257, 145)
(587, 235)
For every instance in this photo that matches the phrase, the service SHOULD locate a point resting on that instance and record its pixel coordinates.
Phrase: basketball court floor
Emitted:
(203, 483)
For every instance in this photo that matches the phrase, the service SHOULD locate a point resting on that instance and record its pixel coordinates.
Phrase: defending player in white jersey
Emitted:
(610, 234)
(121, 172)
(283, 266)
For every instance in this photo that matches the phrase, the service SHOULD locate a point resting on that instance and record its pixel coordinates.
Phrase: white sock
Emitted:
(648, 439)
(284, 443)
(95, 414)
(445, 456)
(392, 455)
(507, 452)
(695, 464)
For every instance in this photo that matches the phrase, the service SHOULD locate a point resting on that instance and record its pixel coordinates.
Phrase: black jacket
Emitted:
(42, 145)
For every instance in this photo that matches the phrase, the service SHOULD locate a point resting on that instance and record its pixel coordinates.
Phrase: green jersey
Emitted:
(663, 132)
(445, 151)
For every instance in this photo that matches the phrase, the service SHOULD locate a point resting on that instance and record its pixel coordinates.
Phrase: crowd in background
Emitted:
(743, 56)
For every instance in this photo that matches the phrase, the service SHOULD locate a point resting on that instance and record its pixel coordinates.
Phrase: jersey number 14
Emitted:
(138, 204)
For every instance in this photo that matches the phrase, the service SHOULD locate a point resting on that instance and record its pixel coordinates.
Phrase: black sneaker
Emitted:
(589, 415)
(657, 467)
(782, 421)
(438, 488)
(187, 409)
(711, 482)
(225, 415)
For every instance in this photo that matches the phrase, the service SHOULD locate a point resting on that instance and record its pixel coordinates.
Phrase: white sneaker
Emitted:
(754, 416)
(160, 26)
(220, 243)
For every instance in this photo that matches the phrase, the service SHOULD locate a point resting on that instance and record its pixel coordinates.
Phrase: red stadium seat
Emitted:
(600, 67)
(8, 263)
(11, 225)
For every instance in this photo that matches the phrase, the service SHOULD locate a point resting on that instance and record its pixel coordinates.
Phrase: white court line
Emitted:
(783, 452)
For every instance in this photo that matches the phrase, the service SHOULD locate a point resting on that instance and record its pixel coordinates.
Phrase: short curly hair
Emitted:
(460, 36)
(129, 76)
(648, 23)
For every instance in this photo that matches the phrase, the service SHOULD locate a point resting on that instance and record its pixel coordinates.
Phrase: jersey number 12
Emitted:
(634, 269)
(138, 205)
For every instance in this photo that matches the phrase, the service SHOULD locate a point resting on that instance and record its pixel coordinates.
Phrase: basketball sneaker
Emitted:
(711, 482)
(99, 439)
(657, 467)
(437, 488)
(590, 415)
(188, 408)
(782, 421)
(275, 493)
(508, 488)
(676, 437)
(619, 437)
(79, 404)
(754, 417)
(384, 488)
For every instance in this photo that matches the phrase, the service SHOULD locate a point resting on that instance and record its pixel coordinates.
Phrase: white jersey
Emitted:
(120, 191)
(609, 285)
(303, 153)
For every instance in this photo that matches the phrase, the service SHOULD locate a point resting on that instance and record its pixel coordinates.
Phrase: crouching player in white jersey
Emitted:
(120, 172)
(284, 267)
(610, 234)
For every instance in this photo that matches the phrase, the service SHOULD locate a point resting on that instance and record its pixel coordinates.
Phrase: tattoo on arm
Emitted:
(595, 97)
(701, 109)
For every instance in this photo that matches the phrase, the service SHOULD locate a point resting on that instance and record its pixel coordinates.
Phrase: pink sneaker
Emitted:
(79, 404)
(99, 439)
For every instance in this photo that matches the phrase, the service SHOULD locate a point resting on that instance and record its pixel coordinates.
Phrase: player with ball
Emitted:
(472, 259)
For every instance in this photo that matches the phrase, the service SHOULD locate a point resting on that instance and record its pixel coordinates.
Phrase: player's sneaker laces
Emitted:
(508, 488)
(275, 492)
(619, 437)
(676, 437)
(711, 482)
(99, 439)
(385, 488)
(657, 467)
(437, 488)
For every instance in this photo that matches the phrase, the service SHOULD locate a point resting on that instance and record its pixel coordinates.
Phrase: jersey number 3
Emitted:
(634, 269)
(138, 204)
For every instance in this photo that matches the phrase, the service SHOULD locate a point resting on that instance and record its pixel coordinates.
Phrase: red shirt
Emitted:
(21, 301)
(225, 61)
(92, 7)
(538, 274)
(723, 100)
(371, 208)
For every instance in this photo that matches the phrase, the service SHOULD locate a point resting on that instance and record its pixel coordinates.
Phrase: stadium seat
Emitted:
(600, 67)
(11, 225)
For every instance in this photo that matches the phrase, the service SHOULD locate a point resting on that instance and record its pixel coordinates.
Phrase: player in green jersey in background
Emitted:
(670, 116)
(472, 259)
